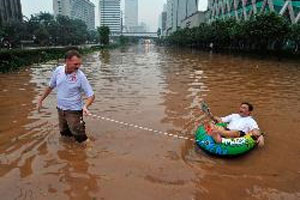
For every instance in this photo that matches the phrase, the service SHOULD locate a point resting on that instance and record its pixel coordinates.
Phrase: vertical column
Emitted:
(235, 9)
(244, 9)
(291, 11)
(271, 5)
(254, 7)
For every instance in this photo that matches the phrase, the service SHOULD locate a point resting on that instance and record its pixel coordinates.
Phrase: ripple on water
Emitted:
(161, 89)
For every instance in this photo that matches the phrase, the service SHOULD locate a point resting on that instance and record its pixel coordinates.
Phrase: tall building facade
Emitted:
(244, 9)
(110, 15)
(76, 9)
(10, 10)
(181, 11)
(170, 14)
(131, 14)
(162, 23)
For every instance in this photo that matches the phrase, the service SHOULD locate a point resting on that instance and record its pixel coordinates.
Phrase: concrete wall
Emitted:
(193, 21)
(182, 13)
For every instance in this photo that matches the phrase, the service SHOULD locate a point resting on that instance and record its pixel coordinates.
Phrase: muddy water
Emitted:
(161, 89)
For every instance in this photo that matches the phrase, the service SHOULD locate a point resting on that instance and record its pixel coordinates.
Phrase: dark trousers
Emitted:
(71, 124)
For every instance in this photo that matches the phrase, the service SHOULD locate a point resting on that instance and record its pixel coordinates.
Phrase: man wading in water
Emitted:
(70, 81)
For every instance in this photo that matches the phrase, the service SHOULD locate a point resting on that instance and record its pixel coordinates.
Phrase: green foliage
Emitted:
(264, 31)
(42, 35)
(182, 37)
(221, 30)
(123, 40)
(2, 33)
(294, 36)
(104, 34)
(14, 31)
(11, 60)
(14, 59)
(71, 32)
(203, 36)
(159, 32)
(93, 36)
(44, 29)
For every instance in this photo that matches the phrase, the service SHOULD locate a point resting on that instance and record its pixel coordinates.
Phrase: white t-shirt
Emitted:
(237, 122)
(69, 88)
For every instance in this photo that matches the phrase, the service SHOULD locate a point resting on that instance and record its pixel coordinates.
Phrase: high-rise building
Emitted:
(76, 9)
(10, 10)
(163, 21)
(131, 14)
(182, 13)
(162, 24)
(62, 7)
(170, 14)
(110, 15)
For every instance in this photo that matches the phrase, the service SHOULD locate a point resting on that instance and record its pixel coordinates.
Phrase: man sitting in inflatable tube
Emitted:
(238, 125)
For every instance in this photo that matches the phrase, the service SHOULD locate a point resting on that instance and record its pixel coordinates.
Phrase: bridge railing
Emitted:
(136, 34)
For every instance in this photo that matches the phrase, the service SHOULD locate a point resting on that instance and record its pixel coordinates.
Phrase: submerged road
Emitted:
(158, 89)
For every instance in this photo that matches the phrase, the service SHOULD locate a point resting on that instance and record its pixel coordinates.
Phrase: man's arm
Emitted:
(40, 100)
(85, 85)
(88, 102)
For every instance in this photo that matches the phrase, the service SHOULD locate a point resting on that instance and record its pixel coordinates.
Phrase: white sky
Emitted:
(149, 10)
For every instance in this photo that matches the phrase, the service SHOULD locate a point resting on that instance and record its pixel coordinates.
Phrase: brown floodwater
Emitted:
(161, 89)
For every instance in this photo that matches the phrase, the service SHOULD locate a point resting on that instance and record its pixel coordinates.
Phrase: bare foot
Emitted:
(217, 137)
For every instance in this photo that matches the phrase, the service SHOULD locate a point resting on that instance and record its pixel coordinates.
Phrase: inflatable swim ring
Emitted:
(228, 147)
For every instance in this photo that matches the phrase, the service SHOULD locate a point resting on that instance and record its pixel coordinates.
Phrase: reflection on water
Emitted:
(105, 56)
(158, 88)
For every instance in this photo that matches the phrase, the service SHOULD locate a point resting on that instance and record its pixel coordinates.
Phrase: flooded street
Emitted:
(161, 89)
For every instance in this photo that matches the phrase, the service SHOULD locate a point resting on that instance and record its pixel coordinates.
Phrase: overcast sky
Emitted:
(149, 10)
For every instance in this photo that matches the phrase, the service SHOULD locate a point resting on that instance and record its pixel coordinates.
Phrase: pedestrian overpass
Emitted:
(137, 34)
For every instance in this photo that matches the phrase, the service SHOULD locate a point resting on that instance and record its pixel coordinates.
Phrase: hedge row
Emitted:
(11, 60)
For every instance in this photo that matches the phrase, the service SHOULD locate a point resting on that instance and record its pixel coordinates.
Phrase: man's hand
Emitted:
(88, 102)
(85, 111)
(40, 100)
(260, 141)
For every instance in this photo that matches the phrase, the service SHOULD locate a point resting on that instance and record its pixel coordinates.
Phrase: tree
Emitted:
(44, 29)
(158, 32)
(42, 35)
(93, 36)
(39, 26)
(237, 35)
(294, 36)
(79, 31)
(14, 32)
(123, 40)
(266, 29)
(64, 30)
(104, 34)
(204, 35)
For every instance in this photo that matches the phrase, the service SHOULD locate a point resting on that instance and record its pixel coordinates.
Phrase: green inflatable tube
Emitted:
(228, 147)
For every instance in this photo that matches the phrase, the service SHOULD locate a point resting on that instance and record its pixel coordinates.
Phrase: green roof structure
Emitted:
(244, 9)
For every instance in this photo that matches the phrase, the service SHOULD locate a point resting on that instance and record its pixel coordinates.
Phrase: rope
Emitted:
(154, 131)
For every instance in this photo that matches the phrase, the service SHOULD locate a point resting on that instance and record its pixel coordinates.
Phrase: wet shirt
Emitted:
(70, 88)
(237, 122)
